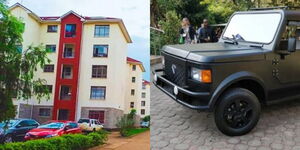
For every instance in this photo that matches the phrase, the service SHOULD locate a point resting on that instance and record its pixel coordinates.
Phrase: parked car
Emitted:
(254, 63)
(145, 124)
(90, 125)
(15, 129)
(53, 129)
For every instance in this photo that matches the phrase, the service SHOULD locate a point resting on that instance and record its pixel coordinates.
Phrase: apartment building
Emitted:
(88, 74)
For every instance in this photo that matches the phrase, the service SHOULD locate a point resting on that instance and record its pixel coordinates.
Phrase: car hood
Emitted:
(216, 52)
(43, 132)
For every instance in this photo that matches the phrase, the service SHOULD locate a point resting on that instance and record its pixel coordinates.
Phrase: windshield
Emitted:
(9, 123)
(84, 121)
(258, 28)
(54, 125)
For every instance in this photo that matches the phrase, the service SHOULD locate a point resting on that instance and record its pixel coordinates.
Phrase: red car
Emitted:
(53, 129)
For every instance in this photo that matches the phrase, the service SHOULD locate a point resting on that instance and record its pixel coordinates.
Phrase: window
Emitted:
(101, 31)
(65, 92)
(69, 51)
(44, 112)
(131, 104)
(98, 92)
(51, 48)
(143, 103)
(67, 72)
(99, 115)
(70, 30)
(133, 67)
(132, 91)
(133, 80)
(73, 125)
(63, 114)
(142, 111)
(143, 86)
(143, 95)
(100, 50)
(99, 71)
(52, 28)
(49, 68)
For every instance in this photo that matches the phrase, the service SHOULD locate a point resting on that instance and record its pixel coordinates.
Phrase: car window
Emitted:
(32, 123)
(84, 121)
(53, 125)
(23, 123)
(73, 125)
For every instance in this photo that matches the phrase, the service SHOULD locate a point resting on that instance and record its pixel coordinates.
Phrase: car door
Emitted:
(21, 129)
(286, 67)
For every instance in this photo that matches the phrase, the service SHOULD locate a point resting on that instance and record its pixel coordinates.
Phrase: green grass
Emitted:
(136, 131)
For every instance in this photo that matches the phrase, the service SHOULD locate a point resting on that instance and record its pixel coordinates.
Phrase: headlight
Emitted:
(27, 134)
(201, 75)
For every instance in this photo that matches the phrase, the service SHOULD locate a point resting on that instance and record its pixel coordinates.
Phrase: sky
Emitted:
(135, 14)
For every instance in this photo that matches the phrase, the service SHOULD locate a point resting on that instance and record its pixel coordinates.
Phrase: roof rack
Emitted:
(270, 8)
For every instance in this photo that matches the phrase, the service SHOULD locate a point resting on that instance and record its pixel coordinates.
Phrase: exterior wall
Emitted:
(137, 86)
(147, 100)
(115, 82)
(110, 115)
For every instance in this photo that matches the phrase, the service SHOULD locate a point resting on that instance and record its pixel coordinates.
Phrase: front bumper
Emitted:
(190, 99)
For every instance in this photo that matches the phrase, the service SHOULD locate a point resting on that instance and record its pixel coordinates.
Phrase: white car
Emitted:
(89, 125)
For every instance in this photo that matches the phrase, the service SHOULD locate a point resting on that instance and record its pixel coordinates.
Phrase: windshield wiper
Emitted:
(231, 40)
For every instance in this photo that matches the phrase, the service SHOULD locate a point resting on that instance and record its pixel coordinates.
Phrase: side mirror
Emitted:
(292, 45)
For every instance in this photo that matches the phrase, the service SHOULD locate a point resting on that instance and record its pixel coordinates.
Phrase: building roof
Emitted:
(85, 19)
(145, 82)
(135, 62)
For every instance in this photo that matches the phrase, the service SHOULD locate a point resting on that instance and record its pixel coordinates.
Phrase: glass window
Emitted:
(49, 68)
(133, 67)
(67, 72)
(98, 92)
(73, 125)
(142, 111)
(63, 114)
(258, 27)
(70, 30)
(101, 31)
(133, 80)
(69, 51)
(143, 95)
(84, 121)
(131, 104)
(99, 71)
(132, 91)
(100, 50)
(52, 28)
(51, 48)
(143, 103)
(65, 92)
(45, 112)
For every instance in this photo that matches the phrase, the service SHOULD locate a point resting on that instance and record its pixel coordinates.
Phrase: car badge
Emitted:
(173, 68)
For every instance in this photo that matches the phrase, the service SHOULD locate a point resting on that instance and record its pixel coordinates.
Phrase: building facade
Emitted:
(88, 72)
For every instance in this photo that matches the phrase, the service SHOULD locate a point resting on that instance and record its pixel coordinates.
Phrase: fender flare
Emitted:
(231, 79)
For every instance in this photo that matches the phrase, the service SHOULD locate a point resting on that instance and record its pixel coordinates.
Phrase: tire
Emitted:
(8, 139)
(236, 121)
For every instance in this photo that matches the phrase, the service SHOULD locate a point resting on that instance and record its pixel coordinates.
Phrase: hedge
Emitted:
(65, 142)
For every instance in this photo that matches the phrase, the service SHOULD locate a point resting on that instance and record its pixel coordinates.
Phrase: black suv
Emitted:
(255, 62)
(15, 129)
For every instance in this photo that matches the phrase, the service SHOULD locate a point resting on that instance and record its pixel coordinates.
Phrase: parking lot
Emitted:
(174, 126)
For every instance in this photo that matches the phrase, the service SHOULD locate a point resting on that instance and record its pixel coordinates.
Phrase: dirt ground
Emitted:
(116, 142)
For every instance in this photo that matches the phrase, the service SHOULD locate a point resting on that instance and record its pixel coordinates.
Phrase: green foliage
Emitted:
(135, 131)
(132, 113)
(65, 142)
(146, 118)
(125, 123)
(170, 26)
(17, 69)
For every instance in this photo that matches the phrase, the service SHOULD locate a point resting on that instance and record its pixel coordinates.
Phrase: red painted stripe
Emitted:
(68, 104)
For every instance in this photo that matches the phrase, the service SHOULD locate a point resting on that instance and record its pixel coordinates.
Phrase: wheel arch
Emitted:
(242, 79)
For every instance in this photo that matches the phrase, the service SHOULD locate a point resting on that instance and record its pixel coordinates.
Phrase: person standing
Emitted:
(187, 32)
(206, 33)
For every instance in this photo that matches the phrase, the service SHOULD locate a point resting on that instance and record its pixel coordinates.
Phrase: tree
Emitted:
(17, 68)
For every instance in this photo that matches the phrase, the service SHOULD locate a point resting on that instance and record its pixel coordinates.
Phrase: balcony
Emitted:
(69, 51)
(65, 92)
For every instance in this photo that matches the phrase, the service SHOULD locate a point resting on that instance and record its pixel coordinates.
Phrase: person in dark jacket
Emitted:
(187, 33)
(206, 34)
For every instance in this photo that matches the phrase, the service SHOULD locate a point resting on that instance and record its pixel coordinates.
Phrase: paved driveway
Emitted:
(176, 127)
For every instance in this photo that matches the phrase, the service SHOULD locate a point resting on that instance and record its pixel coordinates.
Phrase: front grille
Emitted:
(178, 65)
